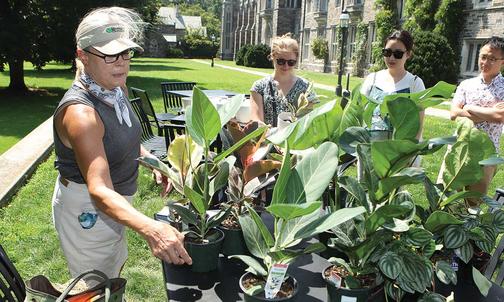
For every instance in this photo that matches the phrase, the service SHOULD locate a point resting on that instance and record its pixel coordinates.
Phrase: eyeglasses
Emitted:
(387, 52)
(109, 59)
(488, 59)
(283, 61)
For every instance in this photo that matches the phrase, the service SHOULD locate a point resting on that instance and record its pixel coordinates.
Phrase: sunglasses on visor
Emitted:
(398, 54)
(283, 61)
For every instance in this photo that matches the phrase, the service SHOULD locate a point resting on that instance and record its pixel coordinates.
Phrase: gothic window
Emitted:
(306, 43)
(337, 3)
(334, 43)
(352, 31)
(470, 53)
(308, 6)
(322, 5)
(269, 4)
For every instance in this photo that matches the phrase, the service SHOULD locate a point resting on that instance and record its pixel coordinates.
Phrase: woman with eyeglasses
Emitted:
(395, 79)
(270, 95)
(97, 142)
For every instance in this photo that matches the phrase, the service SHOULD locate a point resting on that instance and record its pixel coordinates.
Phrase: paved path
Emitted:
(429, 111)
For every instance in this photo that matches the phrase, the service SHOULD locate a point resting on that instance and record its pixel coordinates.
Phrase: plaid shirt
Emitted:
(474, 91)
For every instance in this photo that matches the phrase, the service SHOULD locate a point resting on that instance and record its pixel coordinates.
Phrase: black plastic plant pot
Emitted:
(260, 297)
(234, 243)
(205, 256)
(375, 294)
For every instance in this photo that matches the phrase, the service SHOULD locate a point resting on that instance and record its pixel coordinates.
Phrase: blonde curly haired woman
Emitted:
(97, 141)
(269, 96)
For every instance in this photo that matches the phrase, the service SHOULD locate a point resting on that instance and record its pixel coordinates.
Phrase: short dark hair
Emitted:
(403, 36)
(496, 43)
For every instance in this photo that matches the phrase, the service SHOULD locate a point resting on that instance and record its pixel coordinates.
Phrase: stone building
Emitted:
(169, 31)
(256, 21)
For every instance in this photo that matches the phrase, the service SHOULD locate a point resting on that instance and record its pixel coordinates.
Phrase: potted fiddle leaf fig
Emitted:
(467, 237)
(297, 215)
(203, 240)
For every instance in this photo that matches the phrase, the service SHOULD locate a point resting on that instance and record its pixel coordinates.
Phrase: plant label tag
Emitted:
(335, 279)
(454, 265)
(348, 299)
(275, 280)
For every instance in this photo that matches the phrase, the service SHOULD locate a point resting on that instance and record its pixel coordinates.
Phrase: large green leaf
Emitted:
(405, 117)
(196, 200)
(382, 215)
(355, 189)
(279, 191)
(445, 273)
(462, 162)
(312, 174)
(328, 221)
(404, 177)
(253, 237)
(218, 218)
(465, 252)
(260, 225)
(229, 109)
(312, 129)
(454, 236)
(390, 157)
(498, 221)
(417, 237)
(416, 272)
(351, 137)
(352, 115)
(368, 178)
(492, 161)
(390, 264)
(481, 282)
(187, 215)
(287, 211)
(458, 196)
(202, 119)
(255, 265)
(434, 144)
(424, 98)
(438, 220)
(221, 179)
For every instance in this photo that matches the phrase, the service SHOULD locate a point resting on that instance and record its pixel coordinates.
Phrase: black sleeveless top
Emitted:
(121, 143)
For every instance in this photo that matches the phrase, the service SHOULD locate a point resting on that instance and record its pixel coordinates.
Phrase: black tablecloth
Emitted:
(222, 284)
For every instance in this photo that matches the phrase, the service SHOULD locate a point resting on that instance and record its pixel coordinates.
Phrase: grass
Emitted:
(26, 229)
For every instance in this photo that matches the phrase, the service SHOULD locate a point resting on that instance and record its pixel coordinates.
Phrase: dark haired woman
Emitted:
(395, 79)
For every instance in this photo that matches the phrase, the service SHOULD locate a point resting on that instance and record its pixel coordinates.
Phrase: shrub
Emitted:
(257, 56)
(241, 54)
(196, 45)
(173, 52)
(320, 48)
(433, 59)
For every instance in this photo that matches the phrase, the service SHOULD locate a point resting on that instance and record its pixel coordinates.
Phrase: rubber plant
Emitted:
(295, 207)
(203, 124)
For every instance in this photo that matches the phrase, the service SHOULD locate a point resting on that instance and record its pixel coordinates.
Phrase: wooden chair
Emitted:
(155, 144)
(156, 119)
(12, 288)
(172, 102)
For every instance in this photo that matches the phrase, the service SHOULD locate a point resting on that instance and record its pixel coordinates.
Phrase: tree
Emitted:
(210, 15)
(39, 31)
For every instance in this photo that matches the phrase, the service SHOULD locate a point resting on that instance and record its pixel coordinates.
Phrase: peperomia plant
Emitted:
(296, 211)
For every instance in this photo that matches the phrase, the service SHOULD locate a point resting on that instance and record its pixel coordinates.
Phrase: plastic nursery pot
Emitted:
(205, 256)
(234, 243)
(260, 297)
(375, 294)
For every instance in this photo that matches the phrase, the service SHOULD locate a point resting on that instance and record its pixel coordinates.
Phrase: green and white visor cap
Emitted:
(108, 39)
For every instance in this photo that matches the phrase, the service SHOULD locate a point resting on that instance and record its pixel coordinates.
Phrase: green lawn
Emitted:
(26, 229)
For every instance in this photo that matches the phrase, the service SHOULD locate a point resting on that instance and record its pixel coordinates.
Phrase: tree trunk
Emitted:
(16, 75)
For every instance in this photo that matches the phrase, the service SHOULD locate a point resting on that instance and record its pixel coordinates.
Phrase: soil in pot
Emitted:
(287, 292)
(369, 291)
(234, 242)
(205, 254)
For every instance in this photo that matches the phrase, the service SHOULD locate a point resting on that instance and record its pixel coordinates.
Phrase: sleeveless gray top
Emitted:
(121, 143)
